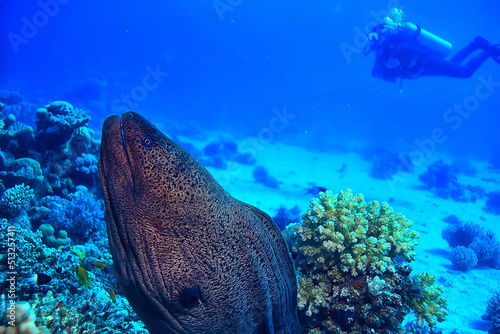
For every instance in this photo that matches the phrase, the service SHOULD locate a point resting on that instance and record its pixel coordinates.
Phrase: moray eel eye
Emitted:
(189, 297)
(146, 141)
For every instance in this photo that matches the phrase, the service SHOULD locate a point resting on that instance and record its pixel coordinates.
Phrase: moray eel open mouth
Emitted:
(190, 257)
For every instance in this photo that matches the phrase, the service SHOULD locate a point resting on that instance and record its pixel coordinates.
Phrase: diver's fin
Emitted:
(495, 52)
(481, 43)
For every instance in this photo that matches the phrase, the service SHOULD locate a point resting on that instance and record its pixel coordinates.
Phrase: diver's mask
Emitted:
(372, 37)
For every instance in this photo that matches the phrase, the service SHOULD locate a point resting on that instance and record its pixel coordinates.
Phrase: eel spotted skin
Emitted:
(190, 257)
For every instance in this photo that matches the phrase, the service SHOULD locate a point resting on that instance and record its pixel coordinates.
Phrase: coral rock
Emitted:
(348, 280)
(16, 199)
(21, 320)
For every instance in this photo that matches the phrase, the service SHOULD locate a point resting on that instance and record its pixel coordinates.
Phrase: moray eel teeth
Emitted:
(190, 257)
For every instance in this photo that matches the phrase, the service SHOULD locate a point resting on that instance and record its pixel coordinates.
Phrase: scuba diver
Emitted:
(406, 51)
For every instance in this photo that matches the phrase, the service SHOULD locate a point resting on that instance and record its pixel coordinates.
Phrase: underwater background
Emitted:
(277, 100)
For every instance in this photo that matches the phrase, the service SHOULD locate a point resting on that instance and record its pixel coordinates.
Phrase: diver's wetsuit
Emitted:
(397, 56)
(436, 65)
(401, 56)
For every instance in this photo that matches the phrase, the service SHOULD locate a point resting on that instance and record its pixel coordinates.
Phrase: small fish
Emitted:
(342, 169)
(99, 265)
(82, 275)
(112, 295)
(38, 279)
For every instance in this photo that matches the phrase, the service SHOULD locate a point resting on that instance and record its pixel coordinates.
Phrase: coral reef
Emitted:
(16, 108)
(356, 237)
(16, 138)
(48, 204)
(64, 306)
(79, 215)
(10, 96)
(20, 319)
(348, 278)
(493, 202)
(493, 312)
(285, 216)
(443, 182)
(463, 258)
(59, 240)
(23, 170)
(430, 305)
(60, 154)
(217, 153)
(97, 314)
(387, 162)
(487, 249)
(56, 123)
(261, 175)
(412, 327)
(453, 220)
(472, 245)
(67, 147)
(15, 200)
(461, 234)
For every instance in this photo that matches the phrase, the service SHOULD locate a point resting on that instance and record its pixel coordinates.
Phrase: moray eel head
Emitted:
(190, 257)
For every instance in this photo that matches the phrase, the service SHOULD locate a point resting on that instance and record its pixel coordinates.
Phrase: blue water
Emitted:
(233, 64)
(238, 66)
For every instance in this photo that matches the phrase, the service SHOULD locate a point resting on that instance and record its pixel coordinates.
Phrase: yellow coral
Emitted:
(343, 235)
(431, 306)
(344, 231)
(313, 291)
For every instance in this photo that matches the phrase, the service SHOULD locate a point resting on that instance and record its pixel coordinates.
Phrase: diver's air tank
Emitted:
(432, 42)
(428, 40)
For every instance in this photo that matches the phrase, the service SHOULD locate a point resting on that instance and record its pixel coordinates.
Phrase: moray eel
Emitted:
(190, 257)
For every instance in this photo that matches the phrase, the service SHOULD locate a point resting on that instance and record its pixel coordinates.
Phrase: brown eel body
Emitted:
(190, 257)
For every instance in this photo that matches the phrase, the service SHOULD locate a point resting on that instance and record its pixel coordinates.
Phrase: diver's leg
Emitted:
(473, 64)
(476, 44)
(436, 66)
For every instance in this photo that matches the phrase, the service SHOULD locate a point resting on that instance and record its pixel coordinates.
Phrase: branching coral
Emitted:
(348, 280)
(16, 199)
(342, 230)
(493, 311)
(472, 244)
(431, 305)
(79, 216)
(16, 138)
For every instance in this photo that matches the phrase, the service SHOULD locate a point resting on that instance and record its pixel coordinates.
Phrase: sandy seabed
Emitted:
(297, 169)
